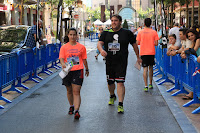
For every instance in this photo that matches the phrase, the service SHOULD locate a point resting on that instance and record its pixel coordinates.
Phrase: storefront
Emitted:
(3, 8)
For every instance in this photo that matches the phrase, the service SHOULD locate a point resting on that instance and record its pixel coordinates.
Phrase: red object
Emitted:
(195, 73)
(3, 8)
(76, 16)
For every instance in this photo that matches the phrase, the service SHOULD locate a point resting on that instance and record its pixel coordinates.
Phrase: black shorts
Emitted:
(147, 60)
(116, 72)
(73, 77)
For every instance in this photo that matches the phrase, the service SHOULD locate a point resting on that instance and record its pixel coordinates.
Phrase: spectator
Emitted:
(159, 34)
(172, 46)
(100, 31)
(198, 59)
(193, 36)
(186, 44)
(175, 30)
(32, 36)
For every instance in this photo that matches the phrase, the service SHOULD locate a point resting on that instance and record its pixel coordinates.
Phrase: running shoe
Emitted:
(146, 89)
(120, 109)
(150, 86)
(71, 110)
(112, 100)
(77, 115)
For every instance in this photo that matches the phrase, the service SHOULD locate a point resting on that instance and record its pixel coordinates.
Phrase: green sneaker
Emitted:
(146, 89)
(150, 86)
(112, 100)
(120, 109)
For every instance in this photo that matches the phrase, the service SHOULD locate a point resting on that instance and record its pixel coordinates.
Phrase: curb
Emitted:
(183, 121)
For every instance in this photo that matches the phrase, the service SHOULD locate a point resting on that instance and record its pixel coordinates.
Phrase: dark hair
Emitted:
(118, 17)
(66, 38)
(173, 35)
(147, 22)
(176, 24)
(184, 30)
(194, 32)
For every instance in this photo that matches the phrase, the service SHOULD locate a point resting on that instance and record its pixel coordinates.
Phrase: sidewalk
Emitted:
(43, 108)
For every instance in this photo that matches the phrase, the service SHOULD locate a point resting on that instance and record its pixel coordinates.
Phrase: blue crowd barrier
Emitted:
(49, 56)
(180, 71)
(93, 36)
(25, 66)
(26, 62)
(8, 74)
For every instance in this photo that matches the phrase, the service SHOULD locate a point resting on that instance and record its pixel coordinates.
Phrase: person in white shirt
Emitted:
(175, 30)
(186, 43)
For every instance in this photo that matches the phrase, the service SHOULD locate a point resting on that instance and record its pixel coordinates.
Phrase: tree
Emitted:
(192, 17)
(125, 24)
(199, 13)
(181, 2)
(145, 14)
(93, 15)
(53, 5)
(187, 12)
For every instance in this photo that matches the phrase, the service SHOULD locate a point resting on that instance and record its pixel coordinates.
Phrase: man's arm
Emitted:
(156, 43)
(135, 47)
(100, 48)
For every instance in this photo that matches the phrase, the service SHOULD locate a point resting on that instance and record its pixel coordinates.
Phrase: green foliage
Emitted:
(96, 14)
(125, 24)
(146, 14)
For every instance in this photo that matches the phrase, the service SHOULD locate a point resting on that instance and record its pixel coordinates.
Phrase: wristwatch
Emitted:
(176, 51)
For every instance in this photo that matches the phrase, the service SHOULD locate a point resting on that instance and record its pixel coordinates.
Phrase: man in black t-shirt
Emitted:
(116, 42)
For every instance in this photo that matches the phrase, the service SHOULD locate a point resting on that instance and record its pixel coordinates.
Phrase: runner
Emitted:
(76, 52)
(147, 39)
(116, 42)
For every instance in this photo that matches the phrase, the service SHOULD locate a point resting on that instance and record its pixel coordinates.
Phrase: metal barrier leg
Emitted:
(155, 67)
(156, 74)
(43, 71)
(31, 78)
(196, 111)
(36, 76)
(46, 69)
(13, 88)
(166, 80)
(1, 107)
(19, 84)
(4, 99)
(176, 86)
(193, 101)
(179, 92)
(171, 89)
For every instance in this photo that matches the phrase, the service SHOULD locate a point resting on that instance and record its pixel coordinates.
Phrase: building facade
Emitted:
(10, 12)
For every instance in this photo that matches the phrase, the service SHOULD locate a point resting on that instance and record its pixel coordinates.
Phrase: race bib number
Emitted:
(113, 46)
(75, 60)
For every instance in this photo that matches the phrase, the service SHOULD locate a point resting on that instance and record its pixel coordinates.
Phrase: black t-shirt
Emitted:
(122, 38)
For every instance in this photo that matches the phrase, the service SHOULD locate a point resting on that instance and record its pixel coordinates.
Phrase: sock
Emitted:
(76, 111)
(120, 103)
(111, 96)
(146, 86)
(71, 105)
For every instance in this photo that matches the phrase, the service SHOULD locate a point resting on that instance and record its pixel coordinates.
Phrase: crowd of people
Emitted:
(184, 41)
(113, 46)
